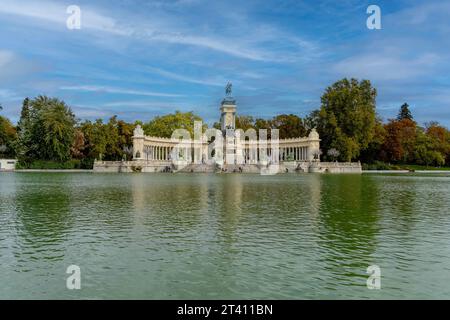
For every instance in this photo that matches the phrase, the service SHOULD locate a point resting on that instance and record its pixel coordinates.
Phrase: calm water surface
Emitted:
(165, 236)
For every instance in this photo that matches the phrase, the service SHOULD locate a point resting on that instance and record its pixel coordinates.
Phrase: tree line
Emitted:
(48, 133)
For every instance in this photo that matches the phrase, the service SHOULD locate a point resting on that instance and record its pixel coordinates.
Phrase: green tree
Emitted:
(262, 124)
(440, 139)
(125, 138)
(290, 126)
(111, 141)
(95, 139)
(374, 150)
(347, 118)
(46, 130)
(425, 150)
(164, 126)
(404, 113)
(245, 122)
(311, 120)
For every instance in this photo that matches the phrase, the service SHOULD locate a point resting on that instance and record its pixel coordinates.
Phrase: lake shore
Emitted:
(91, 170)
(53, 170)
(406, 171)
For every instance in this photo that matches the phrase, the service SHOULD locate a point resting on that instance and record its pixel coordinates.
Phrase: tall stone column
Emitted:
(138, 143)
(314, 144)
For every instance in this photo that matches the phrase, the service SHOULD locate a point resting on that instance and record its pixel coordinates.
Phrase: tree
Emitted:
(164, 126)
(8, 136)
(400, 140)
(333, 153)
(311, 121)
(95, 139)
(347, 117)
(111, 141)
(289, 126)
(404, 113)
(125, 138)
(425, 150)
(440, 139)
(374, 150)
(245, 122)
(78, 145)
(46, 130)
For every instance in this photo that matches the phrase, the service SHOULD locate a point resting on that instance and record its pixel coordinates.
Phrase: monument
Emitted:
(231, 150)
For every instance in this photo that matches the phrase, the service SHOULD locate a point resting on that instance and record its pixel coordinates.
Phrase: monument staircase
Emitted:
(195, 167)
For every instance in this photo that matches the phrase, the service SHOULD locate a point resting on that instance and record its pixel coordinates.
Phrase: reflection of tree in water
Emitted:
(174, 200)
(43, 221)
(400, 202)
(348, 225)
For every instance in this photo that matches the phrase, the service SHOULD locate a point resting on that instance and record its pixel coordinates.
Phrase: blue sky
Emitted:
(138, 59)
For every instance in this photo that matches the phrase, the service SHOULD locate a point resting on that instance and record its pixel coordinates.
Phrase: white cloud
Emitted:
(113, 90)
(5, 58)
(52, 12)
(6, 94)
(249, 44)
(175, 76)
(386, 67)
(141, 104)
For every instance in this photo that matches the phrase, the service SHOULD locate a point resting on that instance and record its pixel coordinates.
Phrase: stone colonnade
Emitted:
(250, 152)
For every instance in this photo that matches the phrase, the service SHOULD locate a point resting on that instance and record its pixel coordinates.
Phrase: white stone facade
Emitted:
(7, 164)
(238, 147)
(231, 150)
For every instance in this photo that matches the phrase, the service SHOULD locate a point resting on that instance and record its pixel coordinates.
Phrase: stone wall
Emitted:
(339, 167)
(131, 166)
(284, 167)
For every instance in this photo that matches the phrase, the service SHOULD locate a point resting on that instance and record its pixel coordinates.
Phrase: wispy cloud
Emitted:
(167, 32)
(113, 90)
(140, 56)
(5, 58)
(56, 13)
(180, 77)
(387, 67)
(6, 94)
(142, 105)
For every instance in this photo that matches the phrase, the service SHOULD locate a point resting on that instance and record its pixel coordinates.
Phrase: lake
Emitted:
(224, 236)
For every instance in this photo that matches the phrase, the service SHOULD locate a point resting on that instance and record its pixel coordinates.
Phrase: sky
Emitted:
(138, 59)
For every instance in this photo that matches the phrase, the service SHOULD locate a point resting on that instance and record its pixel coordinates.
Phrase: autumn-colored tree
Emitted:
(400, 141)
(8, 136)
(78, 145)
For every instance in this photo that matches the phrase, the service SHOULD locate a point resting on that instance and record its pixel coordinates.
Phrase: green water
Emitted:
(229, 236)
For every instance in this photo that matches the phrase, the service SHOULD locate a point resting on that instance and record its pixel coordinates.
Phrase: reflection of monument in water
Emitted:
(229, 149)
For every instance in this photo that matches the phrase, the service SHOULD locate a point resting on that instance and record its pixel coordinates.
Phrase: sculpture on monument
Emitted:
(228, 89)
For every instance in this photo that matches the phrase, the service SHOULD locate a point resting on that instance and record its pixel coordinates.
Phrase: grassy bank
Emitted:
(377, 165)
(54, 165)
